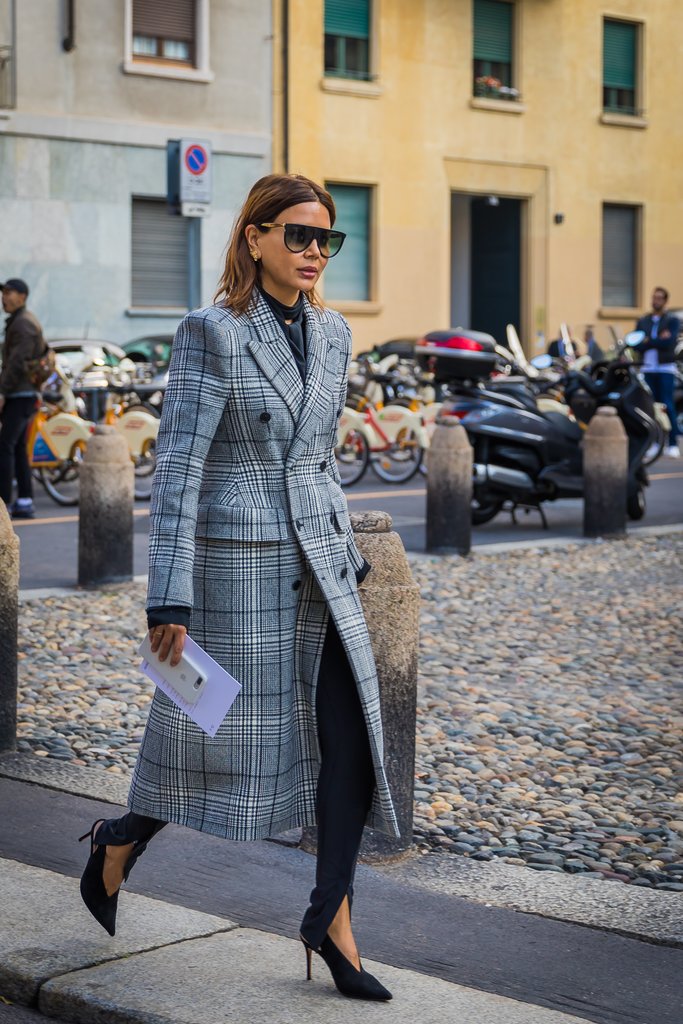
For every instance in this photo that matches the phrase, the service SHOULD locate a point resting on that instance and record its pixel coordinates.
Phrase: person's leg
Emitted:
(666, 389)
(125, 839)
(345, 788)
(22, 468)
(15, 416)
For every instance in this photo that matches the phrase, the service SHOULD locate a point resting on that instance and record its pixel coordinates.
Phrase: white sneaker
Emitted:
(672, 451)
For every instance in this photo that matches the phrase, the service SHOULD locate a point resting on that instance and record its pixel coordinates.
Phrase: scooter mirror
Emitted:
(542, 362)
(634, 338)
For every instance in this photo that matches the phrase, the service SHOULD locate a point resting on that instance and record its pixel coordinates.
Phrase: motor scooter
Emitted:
(525, 455)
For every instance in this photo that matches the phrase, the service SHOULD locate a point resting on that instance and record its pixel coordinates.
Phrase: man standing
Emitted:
(659, 358)
(24, 342)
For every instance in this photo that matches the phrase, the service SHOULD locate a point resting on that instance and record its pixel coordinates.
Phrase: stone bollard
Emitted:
(605, 475)
(391, 604)
(9, 606)
(449, 488)
(105, 523)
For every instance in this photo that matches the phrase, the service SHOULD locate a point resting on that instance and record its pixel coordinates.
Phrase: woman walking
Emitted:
(251, 550)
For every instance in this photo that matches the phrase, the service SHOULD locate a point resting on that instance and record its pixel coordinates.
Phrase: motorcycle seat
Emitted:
(564, 425)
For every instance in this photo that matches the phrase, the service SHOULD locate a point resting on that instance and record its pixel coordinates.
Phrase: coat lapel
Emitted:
(271, 350)
(322, 364)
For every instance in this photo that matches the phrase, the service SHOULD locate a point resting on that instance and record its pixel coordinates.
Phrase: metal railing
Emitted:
(6, 76)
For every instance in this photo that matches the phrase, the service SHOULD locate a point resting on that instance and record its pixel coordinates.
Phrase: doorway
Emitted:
(486, 263)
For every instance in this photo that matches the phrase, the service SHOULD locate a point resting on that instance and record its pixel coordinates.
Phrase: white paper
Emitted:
(217, 696)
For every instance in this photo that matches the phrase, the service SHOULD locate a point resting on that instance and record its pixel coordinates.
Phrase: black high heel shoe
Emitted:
(102, 906)
(357, 984)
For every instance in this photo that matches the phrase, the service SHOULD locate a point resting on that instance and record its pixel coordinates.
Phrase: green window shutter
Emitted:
(349, 18)
(348, 275)
(493, 31)
(619, 55)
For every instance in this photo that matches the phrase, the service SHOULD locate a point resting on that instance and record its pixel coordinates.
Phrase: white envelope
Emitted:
(217, 695)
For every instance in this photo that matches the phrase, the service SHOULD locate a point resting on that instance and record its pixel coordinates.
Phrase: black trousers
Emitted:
(15, 417)
(345, 787)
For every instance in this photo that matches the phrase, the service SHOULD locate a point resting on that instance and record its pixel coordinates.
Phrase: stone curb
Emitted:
(633, 912)
(171, 965)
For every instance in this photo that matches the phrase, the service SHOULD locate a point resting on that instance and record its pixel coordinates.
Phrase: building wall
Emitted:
(85, 137)
(418, 136)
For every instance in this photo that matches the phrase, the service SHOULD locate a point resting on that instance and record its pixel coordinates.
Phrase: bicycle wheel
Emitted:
(145, 465)
(352, 457)
(400, 461)
(62, 482)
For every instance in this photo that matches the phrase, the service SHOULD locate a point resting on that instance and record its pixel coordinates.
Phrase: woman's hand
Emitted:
(168, 638)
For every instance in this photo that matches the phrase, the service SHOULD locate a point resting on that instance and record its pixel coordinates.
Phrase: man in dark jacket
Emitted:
(24, 342)
(659, 359)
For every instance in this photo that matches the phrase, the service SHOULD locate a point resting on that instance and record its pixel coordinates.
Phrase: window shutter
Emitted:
(347, 18)
(159, 258)
(348, 275)
(164, 19)
(619, 55)
(619, 233)
(493, 31)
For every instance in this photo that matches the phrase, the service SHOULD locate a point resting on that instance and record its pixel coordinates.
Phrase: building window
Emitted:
(159, 256)
(164, 32)
(348, 275)
(620, 255)
(619, 67)
(492, 49)
(347, 38)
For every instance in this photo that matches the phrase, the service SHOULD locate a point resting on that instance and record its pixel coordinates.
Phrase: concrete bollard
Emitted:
(9, 607)
(105, 524)
(391, 604)
(449, 489)
(605, 475)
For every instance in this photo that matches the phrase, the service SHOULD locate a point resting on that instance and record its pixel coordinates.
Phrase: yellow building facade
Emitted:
(520, 161)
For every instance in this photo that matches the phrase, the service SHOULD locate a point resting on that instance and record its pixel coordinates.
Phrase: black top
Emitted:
(293, 331)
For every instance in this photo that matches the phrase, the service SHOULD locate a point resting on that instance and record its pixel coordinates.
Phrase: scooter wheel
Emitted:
(484, 509)
(635, 504)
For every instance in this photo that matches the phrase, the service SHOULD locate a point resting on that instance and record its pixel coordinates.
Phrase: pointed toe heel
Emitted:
(351, 982)
(93, 892)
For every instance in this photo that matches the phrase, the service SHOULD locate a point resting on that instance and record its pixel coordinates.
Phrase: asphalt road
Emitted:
(49, 543)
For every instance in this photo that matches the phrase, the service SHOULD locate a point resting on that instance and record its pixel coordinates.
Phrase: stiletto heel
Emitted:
(93, 892)
(309, 958)
(357, 984)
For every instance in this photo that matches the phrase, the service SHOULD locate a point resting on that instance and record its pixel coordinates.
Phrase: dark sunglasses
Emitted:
(298, 237)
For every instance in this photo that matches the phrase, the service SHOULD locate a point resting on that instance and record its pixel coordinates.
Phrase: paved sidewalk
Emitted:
(173, 965)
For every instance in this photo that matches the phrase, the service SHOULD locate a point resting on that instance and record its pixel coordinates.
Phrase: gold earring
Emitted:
(255, 255)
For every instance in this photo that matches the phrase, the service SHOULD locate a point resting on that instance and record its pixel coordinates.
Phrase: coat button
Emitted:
(344, 573)
(339, 412)
(264, 417)
(323, 466)
(298, 524)
(296, 584)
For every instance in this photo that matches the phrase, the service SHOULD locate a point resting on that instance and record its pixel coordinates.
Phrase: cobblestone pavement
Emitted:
(550, 707)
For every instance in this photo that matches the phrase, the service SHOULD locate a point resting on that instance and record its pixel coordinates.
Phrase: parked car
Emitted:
(77, 356)
(154, 349)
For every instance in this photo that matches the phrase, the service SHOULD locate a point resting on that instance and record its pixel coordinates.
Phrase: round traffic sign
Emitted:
(196, 159)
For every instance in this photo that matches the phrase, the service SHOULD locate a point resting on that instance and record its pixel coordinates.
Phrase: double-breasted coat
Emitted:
(249, 528)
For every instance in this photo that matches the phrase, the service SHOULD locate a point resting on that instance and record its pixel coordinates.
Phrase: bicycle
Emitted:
(391, 440)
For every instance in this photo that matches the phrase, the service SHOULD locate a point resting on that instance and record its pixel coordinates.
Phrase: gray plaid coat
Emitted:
(250, 530)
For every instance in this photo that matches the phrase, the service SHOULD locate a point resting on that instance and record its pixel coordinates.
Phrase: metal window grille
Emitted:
(619, 255)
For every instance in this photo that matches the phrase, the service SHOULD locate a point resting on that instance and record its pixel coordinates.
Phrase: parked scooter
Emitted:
(524, 455)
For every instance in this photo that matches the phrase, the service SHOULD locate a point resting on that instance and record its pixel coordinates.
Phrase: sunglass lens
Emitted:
(298, 237)
(333, 243)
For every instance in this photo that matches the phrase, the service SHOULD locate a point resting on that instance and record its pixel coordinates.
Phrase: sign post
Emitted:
(189, 188)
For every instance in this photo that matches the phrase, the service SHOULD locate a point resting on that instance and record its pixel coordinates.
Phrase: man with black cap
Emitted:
(24, 342)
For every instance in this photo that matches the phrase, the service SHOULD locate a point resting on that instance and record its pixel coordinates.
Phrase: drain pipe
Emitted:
(69, 41)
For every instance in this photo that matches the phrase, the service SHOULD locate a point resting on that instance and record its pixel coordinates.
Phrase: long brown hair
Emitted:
(265, 202)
